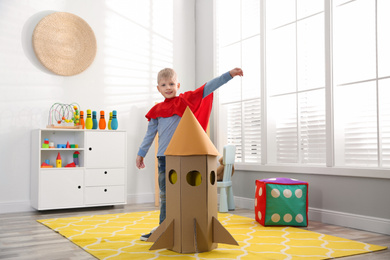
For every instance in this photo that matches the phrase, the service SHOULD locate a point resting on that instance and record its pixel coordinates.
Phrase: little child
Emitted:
(165, 116)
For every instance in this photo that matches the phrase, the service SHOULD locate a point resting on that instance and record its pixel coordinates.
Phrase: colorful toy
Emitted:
(64, 116)
(51, 145)
(76, 158)
(71, 165)
(67, 144)
(94, 120)
(45, 143)
(88, 123)
(109, 121)
(76, 116)
(59, 161)
(102, 121)
(46, 165)
(82, 122)
(114, 121)
(281, 202)
(61, 145)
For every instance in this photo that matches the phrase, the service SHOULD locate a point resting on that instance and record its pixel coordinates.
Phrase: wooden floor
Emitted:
(21, 237)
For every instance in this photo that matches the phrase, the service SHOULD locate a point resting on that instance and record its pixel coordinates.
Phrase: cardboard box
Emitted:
(191, 224)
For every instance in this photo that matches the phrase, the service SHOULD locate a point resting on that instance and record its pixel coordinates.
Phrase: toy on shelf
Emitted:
(76, 116)
(51, 145)
(88, 122)
(46, 164)
(114, 121)
(82, 122)
(94, 120)
(76, 158)
(71, 165)
(64, 116)
(102, 121)
(59, 161)
(45, 143)
(109, 121)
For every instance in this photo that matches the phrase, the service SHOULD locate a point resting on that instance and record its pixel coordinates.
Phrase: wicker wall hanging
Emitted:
(64, 43)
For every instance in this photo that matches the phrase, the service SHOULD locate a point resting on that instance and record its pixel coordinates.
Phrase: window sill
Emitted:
(313, 169)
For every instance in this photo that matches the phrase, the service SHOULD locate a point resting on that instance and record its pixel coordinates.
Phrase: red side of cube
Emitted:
(260, 201)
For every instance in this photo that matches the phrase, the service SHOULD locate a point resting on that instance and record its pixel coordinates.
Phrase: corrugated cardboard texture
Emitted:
(173, 199)
(193, 201)
(212, 198)
(191, 223)
(190, 138)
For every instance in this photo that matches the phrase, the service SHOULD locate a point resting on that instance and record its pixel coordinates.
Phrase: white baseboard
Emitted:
(367, 223)
(15, 207)
(140, 198)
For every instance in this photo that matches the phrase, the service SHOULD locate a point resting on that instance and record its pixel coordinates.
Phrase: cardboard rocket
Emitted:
(191, 224)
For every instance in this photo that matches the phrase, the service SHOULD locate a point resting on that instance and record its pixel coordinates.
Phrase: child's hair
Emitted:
(166, 73)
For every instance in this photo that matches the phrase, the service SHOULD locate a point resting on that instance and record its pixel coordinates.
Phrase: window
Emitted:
(316, 87)
(240, 105)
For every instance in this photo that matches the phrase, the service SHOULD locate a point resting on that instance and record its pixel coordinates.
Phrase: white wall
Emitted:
(135, 39)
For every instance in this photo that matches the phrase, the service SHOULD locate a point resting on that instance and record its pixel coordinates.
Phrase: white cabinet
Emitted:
(99, 179)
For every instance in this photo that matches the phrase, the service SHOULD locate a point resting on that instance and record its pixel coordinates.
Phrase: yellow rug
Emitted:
(116, 236)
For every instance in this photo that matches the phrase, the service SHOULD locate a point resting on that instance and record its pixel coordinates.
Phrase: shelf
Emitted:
(62, 149)
(62, 168)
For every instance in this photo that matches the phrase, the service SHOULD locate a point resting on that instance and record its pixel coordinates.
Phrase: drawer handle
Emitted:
(105, 190)
(90, 148)
(79, 187)
(105, 172)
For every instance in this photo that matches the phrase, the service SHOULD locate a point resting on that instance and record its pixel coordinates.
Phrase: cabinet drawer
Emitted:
(105, 195)
(104, 177)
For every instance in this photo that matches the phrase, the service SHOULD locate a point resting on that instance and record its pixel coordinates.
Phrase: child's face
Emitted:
(168, 87)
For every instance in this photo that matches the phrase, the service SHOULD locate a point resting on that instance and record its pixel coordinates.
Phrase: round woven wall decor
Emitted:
(64, 43)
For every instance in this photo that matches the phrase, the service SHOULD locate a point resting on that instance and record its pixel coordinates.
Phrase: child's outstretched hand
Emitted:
(236, 72)
(139, 162)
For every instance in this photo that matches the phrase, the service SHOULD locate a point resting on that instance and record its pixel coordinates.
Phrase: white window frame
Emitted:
(330, 168)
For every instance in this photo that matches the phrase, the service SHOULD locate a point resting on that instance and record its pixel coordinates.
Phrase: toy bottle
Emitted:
(114, 121)
(102, 121)
(109, 121)
(88, 123)
(82, 123)
(94, 120)
(59, 161)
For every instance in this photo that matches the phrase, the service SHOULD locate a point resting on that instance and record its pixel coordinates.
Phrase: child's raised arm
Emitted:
(236, 72)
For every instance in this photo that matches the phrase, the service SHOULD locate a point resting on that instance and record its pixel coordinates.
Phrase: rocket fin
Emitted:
(201, 244)
(221, 235)
(165, 240)
(160, 229)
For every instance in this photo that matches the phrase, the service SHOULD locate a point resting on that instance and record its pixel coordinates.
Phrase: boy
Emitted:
(165, 116)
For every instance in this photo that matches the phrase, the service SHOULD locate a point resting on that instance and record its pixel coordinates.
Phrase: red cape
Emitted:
(200, 107)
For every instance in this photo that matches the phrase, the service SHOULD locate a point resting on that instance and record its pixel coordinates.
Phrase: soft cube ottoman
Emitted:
(281, 202)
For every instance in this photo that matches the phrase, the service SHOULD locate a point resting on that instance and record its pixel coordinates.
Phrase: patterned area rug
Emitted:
(116, 236)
